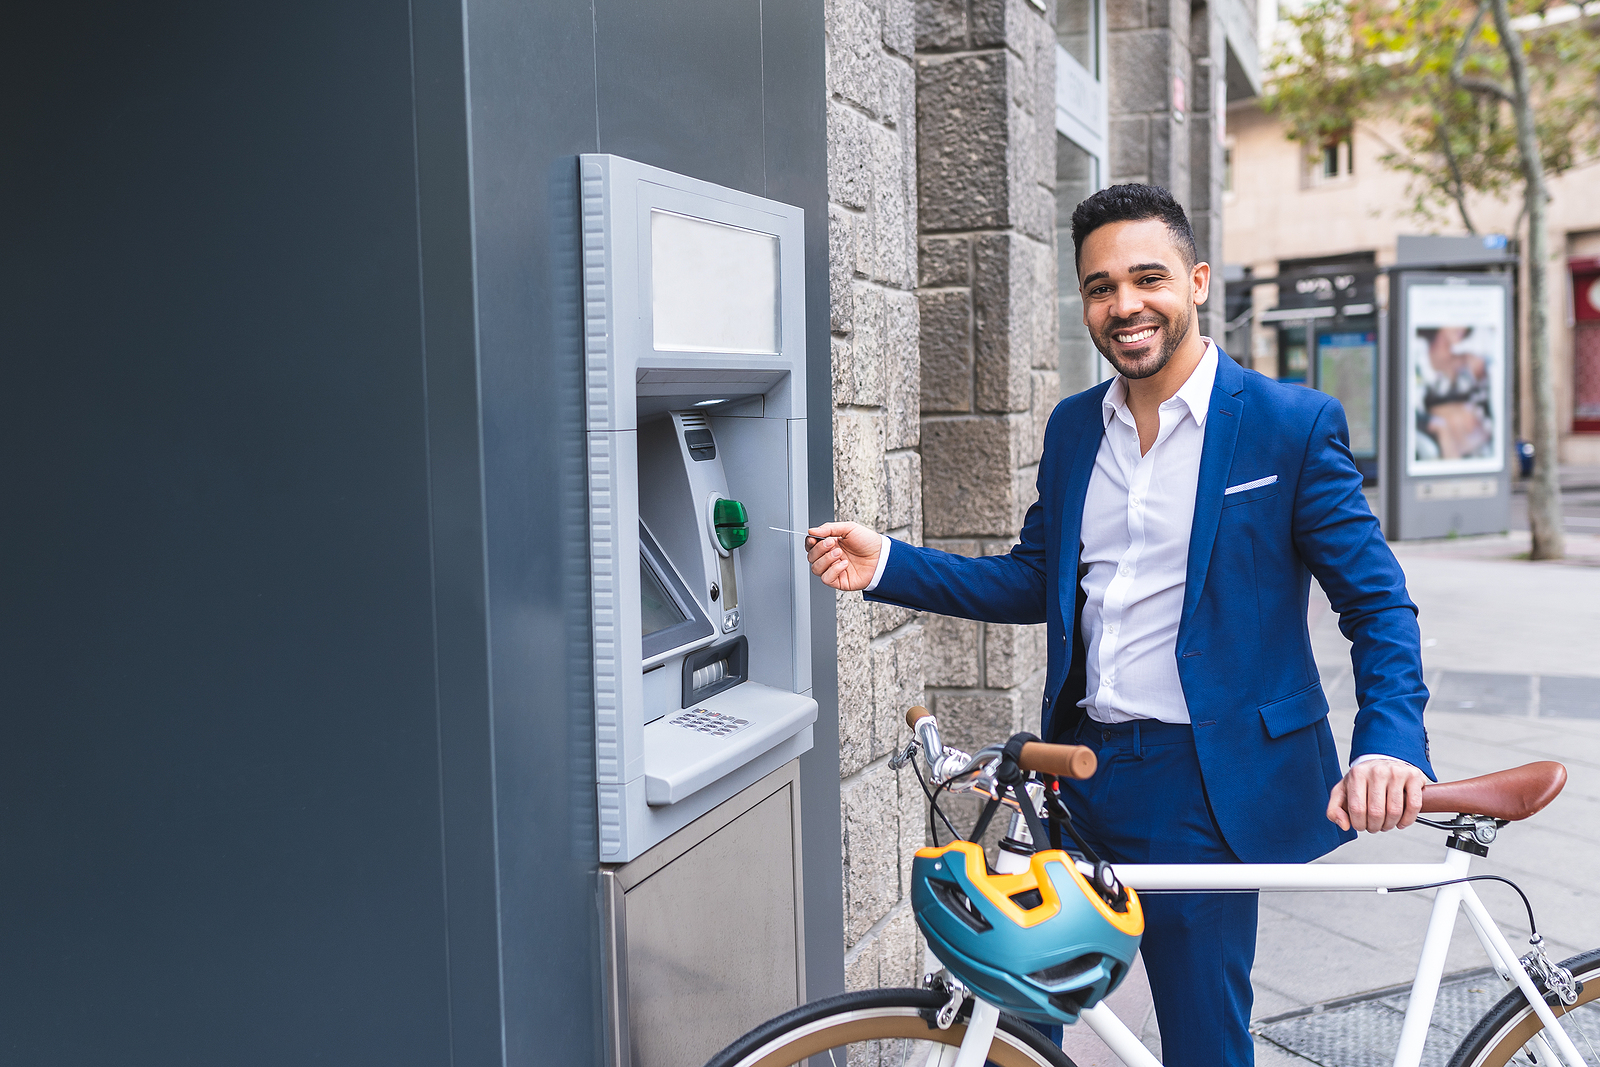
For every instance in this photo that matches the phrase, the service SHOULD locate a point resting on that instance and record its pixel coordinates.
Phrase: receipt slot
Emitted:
(695, 376)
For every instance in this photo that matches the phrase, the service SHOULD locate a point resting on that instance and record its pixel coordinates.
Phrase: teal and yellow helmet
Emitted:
(1041, 944)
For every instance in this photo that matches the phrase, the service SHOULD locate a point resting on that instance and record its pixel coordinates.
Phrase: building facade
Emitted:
(1288, 209)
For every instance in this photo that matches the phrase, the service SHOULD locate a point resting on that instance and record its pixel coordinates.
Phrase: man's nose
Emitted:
(1126, 302)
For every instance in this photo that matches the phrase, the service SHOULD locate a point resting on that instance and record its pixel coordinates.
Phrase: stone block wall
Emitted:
(949, 353)
(872, 213)
(1167, 71)
(1207, 118)
(987, 291)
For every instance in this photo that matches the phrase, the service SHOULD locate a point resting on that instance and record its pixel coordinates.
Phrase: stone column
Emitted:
(1207, 115)
(877, 476)
(1150, 87)
(987, 290)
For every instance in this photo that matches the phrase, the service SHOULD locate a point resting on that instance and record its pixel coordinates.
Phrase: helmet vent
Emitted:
(1066, 976)
(951, 896)
(1028, 899)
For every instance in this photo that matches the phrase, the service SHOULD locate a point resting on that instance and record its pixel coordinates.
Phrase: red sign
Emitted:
(1585, 288)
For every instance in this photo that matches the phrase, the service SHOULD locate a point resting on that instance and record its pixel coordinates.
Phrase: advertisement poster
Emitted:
(1347, 367)
(1455, 344)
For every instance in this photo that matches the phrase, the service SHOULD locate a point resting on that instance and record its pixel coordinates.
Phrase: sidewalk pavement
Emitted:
(1512, 659)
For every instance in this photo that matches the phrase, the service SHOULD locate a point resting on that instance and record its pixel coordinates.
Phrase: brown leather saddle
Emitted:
(1510, 794)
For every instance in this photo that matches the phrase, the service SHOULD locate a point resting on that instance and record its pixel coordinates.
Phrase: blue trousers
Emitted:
(1147, 804)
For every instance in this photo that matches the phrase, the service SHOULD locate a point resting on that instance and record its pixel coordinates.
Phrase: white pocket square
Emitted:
(1257, 484)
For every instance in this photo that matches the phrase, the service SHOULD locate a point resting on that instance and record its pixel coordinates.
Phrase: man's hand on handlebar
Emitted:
(843, 554)
(1378, 795)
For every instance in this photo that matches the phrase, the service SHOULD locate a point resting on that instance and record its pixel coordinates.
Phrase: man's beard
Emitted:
(1146, 365)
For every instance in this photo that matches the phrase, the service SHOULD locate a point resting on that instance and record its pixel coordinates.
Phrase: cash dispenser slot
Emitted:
(711, 670)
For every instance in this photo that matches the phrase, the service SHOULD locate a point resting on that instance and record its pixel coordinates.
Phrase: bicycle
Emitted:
(1539, 1022)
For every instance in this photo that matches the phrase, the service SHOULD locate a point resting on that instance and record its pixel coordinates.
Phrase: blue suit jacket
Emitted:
(1244, 652)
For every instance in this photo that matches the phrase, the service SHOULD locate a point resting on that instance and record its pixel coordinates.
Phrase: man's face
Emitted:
(1138, 295)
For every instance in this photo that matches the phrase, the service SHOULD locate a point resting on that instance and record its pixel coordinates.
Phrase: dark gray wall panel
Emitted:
(218, 773)
(295, 724)
(680, 87)
(533, 110)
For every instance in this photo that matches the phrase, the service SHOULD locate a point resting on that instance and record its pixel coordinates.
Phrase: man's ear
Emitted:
(1200, 280)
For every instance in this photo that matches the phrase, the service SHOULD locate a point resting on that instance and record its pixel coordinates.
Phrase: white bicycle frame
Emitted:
(1370, 877)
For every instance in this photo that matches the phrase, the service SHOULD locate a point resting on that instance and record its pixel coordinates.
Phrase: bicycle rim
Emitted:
(1505, 1034)
(879, 1028)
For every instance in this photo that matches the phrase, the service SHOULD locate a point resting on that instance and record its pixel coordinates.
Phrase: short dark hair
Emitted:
(1133, 203)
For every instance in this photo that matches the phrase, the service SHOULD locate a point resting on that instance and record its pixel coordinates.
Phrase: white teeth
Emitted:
(1135, 338)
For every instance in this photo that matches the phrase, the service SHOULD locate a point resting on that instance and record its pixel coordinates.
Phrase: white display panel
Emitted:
(714, 288)
(1455, 348)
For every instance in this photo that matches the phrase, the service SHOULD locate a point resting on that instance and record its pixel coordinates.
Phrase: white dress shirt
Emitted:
(1136, 521)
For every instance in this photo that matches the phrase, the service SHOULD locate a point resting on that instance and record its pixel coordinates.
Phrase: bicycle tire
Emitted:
(1501, 1035)
(853, 1021)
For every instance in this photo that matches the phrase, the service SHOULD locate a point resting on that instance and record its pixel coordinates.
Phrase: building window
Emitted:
(1333, 161)
(1078, 28)
(1227, 168)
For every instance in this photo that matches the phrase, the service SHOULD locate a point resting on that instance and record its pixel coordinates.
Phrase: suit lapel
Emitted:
(1216, 459)
(1080, 465)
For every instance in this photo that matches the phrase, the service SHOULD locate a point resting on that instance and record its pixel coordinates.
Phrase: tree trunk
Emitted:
(1544, 492)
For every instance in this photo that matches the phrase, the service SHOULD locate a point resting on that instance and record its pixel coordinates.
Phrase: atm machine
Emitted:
(695, 377)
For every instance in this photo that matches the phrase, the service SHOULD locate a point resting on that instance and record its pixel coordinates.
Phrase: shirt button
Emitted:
(1123, 570)
(1111, 629)
(1134, 501)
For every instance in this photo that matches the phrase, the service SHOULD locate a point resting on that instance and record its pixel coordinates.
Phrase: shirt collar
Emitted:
(1196, 392)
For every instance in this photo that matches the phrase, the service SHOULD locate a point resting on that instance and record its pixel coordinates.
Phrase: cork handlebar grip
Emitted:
(916, 713)
(1063, 761)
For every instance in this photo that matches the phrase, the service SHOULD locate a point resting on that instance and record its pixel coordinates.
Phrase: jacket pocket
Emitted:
(1250, 496)
(1295, 711)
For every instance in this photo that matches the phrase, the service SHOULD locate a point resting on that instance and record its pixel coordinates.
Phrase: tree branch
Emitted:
(1475, 85)
(1458, 191)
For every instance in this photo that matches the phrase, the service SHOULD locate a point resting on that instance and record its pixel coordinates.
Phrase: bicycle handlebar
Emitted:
(1063, 761)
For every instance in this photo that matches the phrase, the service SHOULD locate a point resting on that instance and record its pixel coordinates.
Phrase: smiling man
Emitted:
(1183, 508)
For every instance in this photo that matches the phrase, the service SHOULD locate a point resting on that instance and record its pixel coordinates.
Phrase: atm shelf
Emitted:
(687, 750)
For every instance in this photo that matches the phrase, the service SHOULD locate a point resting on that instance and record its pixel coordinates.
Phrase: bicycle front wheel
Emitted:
(880, 1028)
(1504, 1035)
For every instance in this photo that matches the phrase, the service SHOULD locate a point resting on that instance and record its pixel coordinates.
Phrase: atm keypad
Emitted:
(703, 721)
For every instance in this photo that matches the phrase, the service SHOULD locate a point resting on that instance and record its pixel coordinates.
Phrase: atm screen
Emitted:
(669, 615)
(660, 610)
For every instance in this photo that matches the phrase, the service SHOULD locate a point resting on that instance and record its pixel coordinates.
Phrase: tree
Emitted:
(1481, 108)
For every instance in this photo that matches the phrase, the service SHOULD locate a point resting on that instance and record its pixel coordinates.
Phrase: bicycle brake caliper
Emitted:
(952, 1007)
(1554, 977)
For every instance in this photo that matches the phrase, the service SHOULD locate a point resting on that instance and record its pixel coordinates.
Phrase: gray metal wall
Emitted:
(294, 715)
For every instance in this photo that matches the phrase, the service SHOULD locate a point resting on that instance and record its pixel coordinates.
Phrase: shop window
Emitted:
(1586, 345)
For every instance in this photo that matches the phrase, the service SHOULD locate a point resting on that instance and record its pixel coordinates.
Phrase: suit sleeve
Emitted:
(991, 589)
(1008, 588)
(1339, 539)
